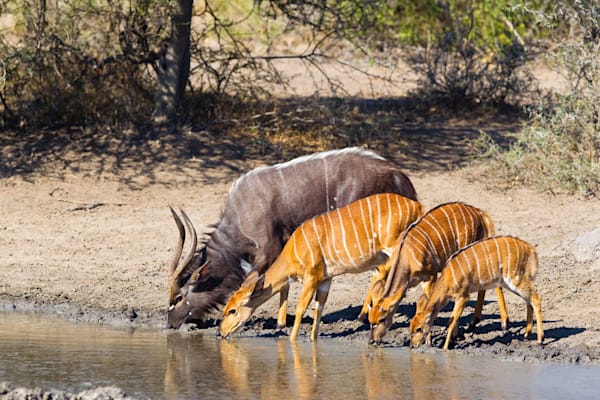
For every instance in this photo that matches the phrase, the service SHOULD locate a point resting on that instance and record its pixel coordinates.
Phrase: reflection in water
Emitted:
(375, 365)
(428, 378)
(235, 366)
(417, 376)
(266, 370)
(48, 353)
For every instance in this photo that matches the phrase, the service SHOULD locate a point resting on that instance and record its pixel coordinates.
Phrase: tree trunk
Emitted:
(174, 67)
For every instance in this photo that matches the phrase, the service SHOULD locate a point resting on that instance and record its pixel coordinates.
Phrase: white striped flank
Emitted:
(489, 262)
(316, 232)
(364, 221)
(296, 255)
(344, 241)
(406, 204)
(463, 218)
(450, 223)
(357, 242)
(423, 253)
(347, 239)
(444, 230)
(497, 258)
(390, 215)
(331, 239)
(308, 246)
(414, 256)
(418, 236)
(509, 261)
(464, 274)
(501, 261)
(371, 232)
(432, 234)
(470, 266)
(453, 276)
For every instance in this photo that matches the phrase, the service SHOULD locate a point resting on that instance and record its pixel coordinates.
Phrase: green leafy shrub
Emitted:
(477, 56)
(74, 62)
(558, 149)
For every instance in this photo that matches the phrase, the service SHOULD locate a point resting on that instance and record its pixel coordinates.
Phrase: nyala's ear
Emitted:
(253, 282)
(377, 291)
(199, 275)
(422, 302)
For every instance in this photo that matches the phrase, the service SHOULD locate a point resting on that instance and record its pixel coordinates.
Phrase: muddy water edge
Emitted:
(49, 353)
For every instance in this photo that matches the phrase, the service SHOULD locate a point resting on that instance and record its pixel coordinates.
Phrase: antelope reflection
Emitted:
(186, 364)
(245, 370)
(421, 378)
(277, 369)
(431, 377)
(292, 373)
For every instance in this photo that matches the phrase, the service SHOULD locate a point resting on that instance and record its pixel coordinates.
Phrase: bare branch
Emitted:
(89, 206)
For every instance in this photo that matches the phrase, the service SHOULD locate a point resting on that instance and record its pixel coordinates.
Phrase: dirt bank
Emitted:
(94, 247)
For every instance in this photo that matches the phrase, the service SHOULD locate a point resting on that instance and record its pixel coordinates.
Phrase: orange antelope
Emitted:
(421, 254)
(490, 263)
(350, 239)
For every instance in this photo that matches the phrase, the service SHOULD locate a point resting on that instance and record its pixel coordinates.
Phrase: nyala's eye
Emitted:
(232, 311)
(419, 330)
(178, 299)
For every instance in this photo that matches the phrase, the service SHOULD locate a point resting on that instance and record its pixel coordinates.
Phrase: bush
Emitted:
(99, 61)
(70, 62)
(558, 149)
(468, 63)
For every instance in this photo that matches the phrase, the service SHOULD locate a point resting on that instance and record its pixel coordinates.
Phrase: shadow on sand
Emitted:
(395, 127)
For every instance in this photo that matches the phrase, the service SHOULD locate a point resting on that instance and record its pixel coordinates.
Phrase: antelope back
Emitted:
(351, 237)
(446, 229)
(486, 262)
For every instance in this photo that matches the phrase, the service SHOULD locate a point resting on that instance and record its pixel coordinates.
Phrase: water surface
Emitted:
(37, 351)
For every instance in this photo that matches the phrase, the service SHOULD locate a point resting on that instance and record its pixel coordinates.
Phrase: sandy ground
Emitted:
(86, 235)
(94, 246)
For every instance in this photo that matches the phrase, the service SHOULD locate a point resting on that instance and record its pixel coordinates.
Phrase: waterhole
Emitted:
(37, 351)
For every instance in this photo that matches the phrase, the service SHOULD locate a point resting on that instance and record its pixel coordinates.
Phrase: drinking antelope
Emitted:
(421, 254)
(503, 261)
(350, 239)
(263, 208)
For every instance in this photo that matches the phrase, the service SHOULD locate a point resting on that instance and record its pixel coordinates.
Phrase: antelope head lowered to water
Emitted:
(420, 256)
(261, 211)
(502, 261)
(204, 288)
(350, 239)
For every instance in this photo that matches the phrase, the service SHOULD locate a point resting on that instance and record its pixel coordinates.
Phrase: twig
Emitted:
(89, 206)
(512, 30)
